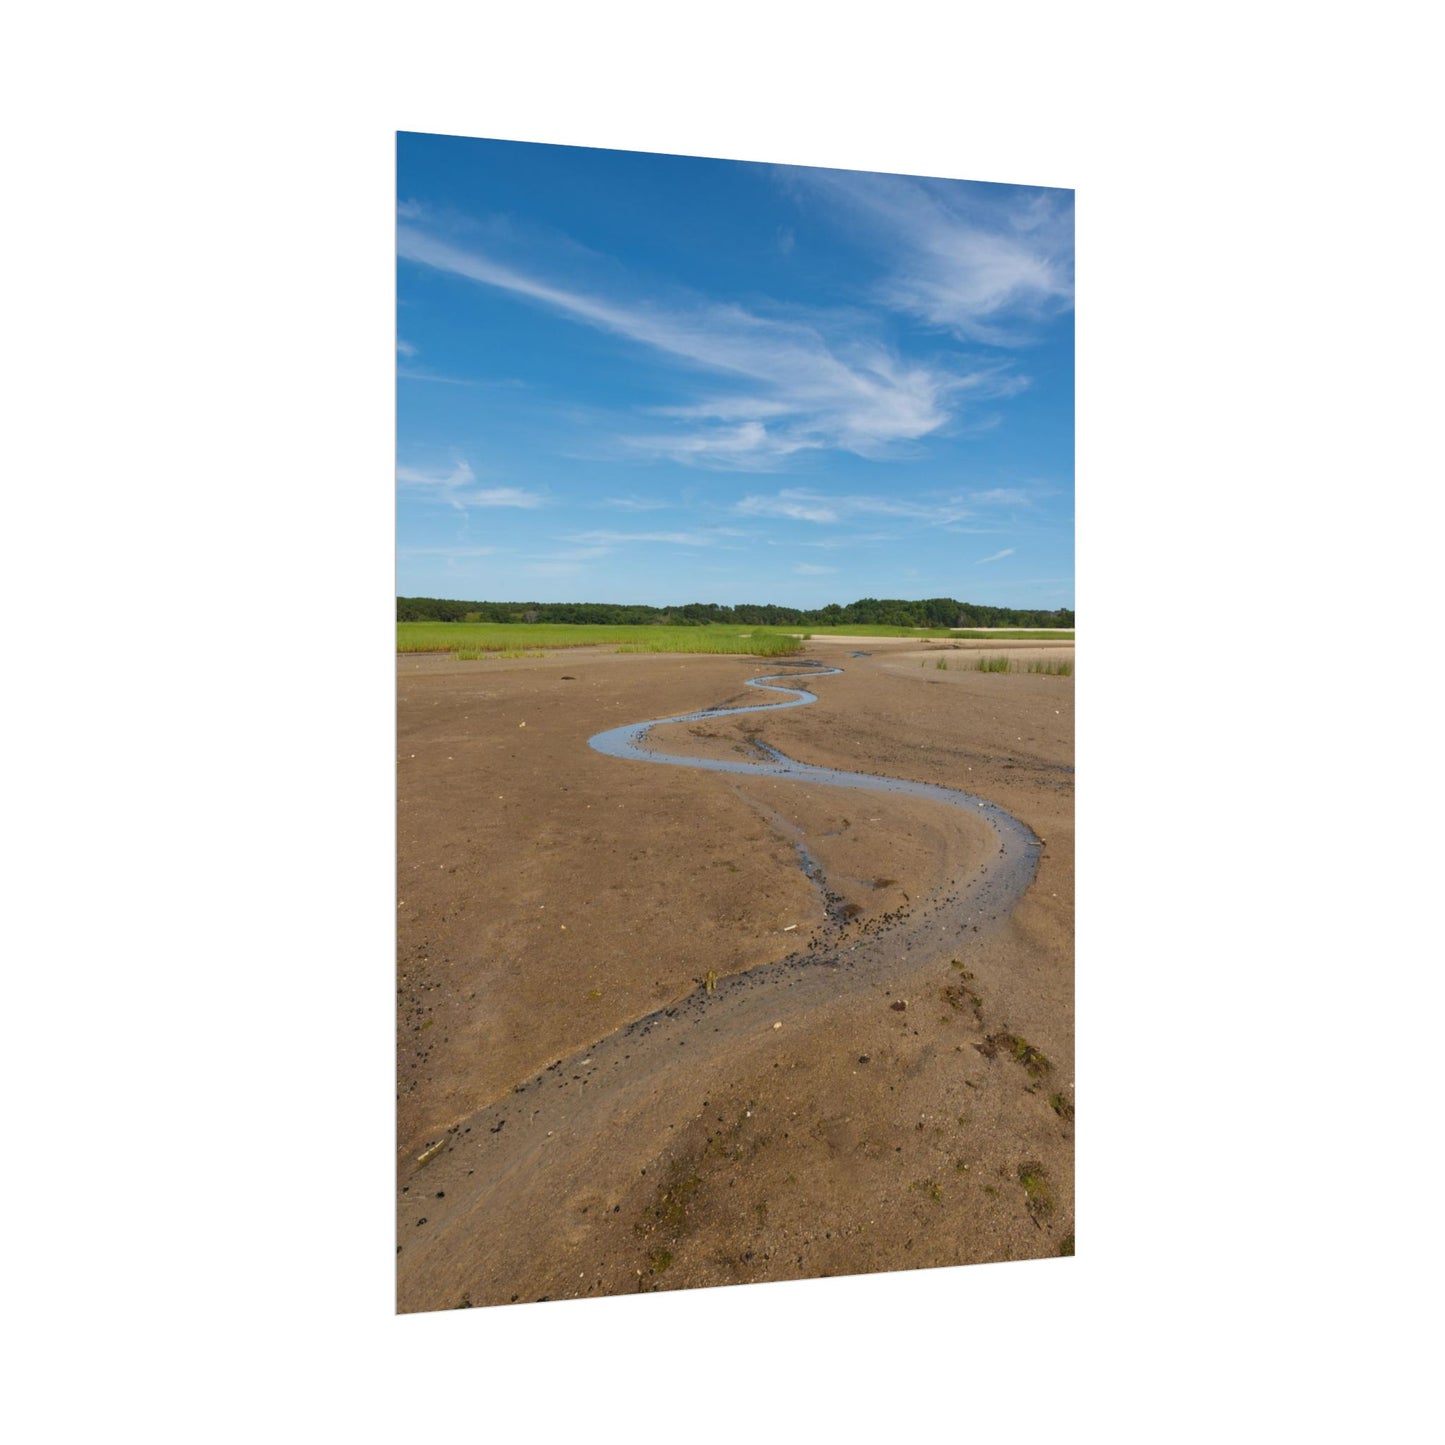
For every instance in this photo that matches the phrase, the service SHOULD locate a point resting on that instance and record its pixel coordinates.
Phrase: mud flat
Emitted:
(662, 1027)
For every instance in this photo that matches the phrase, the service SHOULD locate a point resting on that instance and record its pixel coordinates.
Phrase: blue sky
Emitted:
(626, 377)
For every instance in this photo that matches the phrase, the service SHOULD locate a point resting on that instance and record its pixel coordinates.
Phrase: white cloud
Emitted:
(460, 474)
(798, 506)
(565, 568)
(572, 554)
(996, 557)
(405, 347)
(807, 569)
(807, 380)
(567, 562)
(1001, 497)
(637, 504)
(412, 373)
(454, 552)
(747, 447)
(983, 262)
(500, 497)
(846, 539)
(612, 539)
(802, 505)
(452, 487)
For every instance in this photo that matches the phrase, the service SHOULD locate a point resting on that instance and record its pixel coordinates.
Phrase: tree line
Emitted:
(867, 611)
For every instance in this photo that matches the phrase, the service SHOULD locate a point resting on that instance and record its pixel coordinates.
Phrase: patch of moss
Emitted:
(1022, 1051)
(670, 1211)
(667, 1218)
(1037, 1194)
(959, 996)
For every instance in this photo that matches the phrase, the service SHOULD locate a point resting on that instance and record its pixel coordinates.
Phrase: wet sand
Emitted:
(550, 897)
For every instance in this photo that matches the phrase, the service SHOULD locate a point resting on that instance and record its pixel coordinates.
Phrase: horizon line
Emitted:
(677, 606)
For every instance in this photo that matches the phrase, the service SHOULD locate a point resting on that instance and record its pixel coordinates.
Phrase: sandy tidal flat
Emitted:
(579, 1114)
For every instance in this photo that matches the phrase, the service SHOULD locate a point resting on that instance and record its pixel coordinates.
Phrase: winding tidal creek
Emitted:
(1007, 878)
(495, 1178)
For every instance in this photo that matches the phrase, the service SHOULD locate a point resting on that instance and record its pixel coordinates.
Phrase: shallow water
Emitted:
(1014, 868)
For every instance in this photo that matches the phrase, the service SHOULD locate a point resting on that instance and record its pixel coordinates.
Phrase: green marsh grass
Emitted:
(720, 640)
(1051, 667)
(472, 654)
(517, 639)
(1020, 634)
(526, 638)
(865, 629)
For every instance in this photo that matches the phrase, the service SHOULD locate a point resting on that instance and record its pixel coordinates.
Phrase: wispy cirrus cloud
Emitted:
(995, 557)
(637, 504)
(563, 564)
(747, 447)
(571, 554)
(1001, 497)
(405, 347)
(412, 373)
(458, 552)
(845, 539)
(796, 506)
(455, 487)
(800, 504)
(986, 264)
(680, 539)
(799, 381)
(995, 508)
(810, 569)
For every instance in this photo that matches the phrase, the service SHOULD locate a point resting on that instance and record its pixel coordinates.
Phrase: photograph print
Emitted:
(735, 722)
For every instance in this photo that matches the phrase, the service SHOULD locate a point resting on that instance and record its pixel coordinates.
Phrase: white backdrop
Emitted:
(200, 595)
